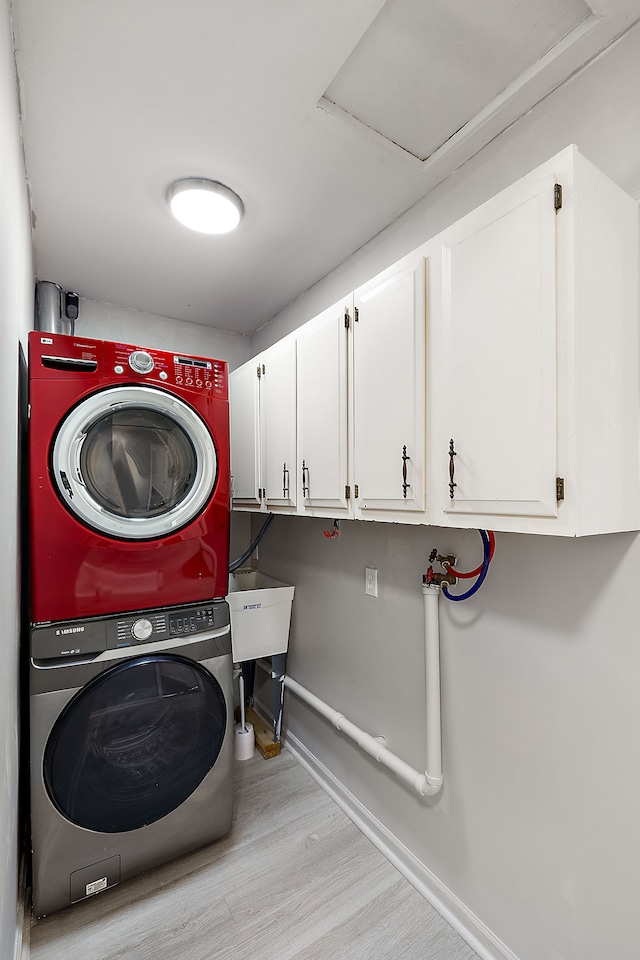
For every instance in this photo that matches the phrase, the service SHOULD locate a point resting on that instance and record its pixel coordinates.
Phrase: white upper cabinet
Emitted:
(262, 401)
(244, 409)
(499, 356)
(323, 455)
(278, 423)
(389, 391)
(490, 379)
(534, 378)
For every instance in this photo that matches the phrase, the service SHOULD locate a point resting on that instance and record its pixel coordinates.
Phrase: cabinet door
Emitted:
(322, 409)
(278, 415)
(389, 377)
(244, 412)
(497, 384)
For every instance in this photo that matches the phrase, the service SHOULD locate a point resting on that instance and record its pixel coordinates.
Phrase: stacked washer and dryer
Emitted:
(130, 667)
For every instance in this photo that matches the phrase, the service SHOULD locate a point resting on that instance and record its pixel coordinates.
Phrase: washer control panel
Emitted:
(74, 639)
(166, 624)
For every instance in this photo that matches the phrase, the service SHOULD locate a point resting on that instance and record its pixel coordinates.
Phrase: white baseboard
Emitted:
(463, 921)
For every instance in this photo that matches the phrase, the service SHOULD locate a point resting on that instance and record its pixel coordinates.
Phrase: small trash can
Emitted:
(260, 614)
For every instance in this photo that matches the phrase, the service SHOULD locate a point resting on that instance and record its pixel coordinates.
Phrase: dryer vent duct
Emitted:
(56, 311)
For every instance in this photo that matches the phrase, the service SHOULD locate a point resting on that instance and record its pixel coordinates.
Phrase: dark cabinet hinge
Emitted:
(557, 196)
(347, 492)
(559, 489)
(355, 491)
(346, 317)
(356, 314)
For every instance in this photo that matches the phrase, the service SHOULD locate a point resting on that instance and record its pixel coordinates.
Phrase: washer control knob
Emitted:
(163, 374)
(118, 368)
(142, 629)
(141, 361)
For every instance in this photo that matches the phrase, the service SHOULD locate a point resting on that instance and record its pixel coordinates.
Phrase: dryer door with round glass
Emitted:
(135, 743)
(134, 462)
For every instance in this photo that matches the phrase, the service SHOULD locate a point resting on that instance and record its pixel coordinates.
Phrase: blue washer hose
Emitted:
(485, 566)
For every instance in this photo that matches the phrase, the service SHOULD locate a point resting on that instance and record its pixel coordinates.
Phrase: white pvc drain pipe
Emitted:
(429, 782)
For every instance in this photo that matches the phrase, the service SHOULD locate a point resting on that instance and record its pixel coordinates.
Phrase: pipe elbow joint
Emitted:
(429, 786)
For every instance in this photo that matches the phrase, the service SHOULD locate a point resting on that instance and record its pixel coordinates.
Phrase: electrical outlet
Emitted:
(371, 582)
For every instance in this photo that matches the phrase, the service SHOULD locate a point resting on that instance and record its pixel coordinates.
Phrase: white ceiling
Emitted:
(329, 119)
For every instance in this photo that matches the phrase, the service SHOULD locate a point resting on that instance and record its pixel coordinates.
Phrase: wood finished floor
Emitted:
(295, 880)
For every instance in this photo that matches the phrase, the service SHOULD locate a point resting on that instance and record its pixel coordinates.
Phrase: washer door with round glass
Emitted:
(135, 743)
(134, 462)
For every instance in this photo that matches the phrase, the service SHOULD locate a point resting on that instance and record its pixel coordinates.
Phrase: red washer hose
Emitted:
(474, 573)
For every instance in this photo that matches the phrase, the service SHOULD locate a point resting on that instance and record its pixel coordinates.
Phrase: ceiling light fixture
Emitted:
(205, 205)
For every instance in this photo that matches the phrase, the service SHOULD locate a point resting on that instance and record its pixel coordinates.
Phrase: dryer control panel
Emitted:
(58, 356)
(197, 374)
(87, 638)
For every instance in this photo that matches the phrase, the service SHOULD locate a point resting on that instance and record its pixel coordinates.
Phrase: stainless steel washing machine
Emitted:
(131, 746)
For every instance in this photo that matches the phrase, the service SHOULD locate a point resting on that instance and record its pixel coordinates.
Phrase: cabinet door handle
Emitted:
(305, 479)
(452, 469)
(405, 485)
(285, 480)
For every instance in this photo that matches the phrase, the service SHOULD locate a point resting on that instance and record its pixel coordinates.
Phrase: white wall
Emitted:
(537, 830)
(16, 314)
(107, 321)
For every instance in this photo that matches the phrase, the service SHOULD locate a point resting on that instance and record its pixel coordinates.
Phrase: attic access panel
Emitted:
(422, 71)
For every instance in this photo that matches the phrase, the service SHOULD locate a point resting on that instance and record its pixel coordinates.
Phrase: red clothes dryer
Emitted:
(129, 478)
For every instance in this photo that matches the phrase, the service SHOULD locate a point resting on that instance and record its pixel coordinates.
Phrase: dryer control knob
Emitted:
(142, 629)
(141, 361)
